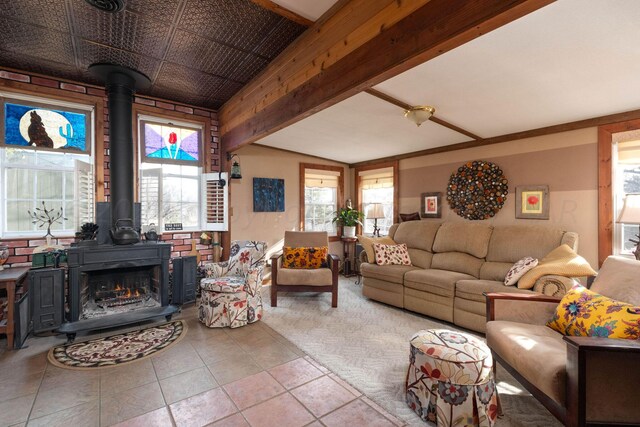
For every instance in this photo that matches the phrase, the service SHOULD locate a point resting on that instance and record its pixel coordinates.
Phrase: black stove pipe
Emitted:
(121, 83)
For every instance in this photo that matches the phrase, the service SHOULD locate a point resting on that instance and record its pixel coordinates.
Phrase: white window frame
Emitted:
(618, 201)
(157, 163)
(331, 171)
(90, 159)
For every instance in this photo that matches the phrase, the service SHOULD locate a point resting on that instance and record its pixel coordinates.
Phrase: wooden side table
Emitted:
(349, 246)
(10, 278)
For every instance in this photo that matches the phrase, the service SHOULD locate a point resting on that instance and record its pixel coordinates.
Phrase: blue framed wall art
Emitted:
(268, 195)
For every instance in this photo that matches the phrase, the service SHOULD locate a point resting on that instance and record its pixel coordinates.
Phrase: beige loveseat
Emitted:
(580, 380)
(455, 263)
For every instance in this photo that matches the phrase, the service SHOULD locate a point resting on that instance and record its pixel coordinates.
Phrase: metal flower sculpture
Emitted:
(42, 216)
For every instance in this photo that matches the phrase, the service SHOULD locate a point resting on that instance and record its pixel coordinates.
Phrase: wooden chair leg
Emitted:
(274, 295)
(334, 296)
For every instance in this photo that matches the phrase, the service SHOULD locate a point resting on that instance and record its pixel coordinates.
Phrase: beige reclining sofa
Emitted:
(455, 263)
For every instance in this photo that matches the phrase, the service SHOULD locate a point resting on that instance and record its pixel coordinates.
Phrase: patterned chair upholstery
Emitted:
(231, 289)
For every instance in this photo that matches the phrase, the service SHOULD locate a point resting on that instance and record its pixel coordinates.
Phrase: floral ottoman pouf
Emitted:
(450, 379)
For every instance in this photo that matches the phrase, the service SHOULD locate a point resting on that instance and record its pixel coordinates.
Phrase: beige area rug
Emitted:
(367, 344)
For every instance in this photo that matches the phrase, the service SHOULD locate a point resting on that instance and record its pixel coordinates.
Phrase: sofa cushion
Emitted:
(441, 282)
(474, 289)
(494, 270)
(618, 279)
(391, 254)
(513, 242)
(390, 273)
(466, 237)
(457, 261)
(417, 234)
(537, 352)
(420, 258)
(585, 313)
(292, 276)
(367, 244)
(518, 270)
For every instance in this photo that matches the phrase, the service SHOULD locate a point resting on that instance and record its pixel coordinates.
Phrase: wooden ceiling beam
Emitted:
(283, 11)
(341, 56)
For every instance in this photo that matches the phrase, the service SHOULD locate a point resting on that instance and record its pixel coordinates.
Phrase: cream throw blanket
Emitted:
(562, 261)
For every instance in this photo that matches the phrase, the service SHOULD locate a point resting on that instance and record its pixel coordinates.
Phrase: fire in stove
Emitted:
(120, 296)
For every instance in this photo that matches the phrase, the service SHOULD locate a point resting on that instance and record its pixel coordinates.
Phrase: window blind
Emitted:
(321, 178)
(376, 178)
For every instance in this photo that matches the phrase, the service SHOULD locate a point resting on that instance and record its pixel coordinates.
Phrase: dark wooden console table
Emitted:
(10, 278)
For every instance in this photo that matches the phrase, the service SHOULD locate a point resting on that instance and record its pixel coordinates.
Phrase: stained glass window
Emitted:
(33, 125)
(168, 143)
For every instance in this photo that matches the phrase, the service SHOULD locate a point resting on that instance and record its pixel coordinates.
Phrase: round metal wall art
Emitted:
(477, 190)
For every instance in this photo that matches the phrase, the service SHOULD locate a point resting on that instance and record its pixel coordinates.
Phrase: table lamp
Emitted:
(375, 212)
(630, 214)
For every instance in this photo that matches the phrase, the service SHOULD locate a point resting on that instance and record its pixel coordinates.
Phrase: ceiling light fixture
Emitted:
(419, 114)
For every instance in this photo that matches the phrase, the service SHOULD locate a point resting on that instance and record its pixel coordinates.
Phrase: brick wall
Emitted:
(21, 249)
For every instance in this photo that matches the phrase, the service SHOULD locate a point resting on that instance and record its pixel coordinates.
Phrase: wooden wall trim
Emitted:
(605, 185)
(333, 62)
(299, 153)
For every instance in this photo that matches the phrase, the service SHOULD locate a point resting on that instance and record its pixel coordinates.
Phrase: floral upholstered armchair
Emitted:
(231, 289)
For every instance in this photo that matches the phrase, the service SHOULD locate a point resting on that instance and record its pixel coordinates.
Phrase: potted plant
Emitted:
(348, 218)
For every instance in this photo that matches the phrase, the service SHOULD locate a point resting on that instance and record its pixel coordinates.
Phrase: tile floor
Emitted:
(250, 376)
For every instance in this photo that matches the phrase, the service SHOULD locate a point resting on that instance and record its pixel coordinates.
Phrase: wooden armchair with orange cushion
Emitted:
(299, 269)
(579, 355)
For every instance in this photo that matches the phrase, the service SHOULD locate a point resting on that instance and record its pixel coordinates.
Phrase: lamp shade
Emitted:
(630, 213)
(375, 211)
(419, 114)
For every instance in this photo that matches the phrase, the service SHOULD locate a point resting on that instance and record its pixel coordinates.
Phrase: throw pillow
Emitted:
(415, 216)
(562, 261)
(519, 269)
(367, 245)
(584, 313)
(306, 258)
(391, 254)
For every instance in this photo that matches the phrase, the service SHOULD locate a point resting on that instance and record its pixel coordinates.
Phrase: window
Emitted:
(626, 180)
(173, 187)
(321, 193)
(378, 184)
(170, 171)
(45, 148)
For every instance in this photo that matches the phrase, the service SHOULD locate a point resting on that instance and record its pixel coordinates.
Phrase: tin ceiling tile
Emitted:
(205, 55)
(251, 66)
(35, 41)
(163, 11)
(45, 13)
(226, 91)
(124, 30)
(178, 95)
(239, 23)
(90, 53)
(33, 64)
(279, 38)
(188, 80)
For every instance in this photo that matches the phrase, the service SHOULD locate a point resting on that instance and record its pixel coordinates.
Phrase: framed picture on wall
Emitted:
(532, 202)
(430, 205)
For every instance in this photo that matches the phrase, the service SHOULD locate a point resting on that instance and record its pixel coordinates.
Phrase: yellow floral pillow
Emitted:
(307, 258)
(583, 313)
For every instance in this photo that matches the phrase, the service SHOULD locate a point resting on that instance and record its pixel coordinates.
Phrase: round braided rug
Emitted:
(118, 349)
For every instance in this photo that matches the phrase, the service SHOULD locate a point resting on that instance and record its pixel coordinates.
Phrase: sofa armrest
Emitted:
(533, 309)
(363, 257)
(554, 285)
(602, 380)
